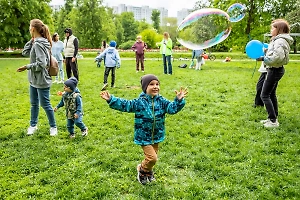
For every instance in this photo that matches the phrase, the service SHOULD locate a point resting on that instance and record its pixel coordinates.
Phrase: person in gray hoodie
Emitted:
(38, 48)
(276, 57)
(112, 61)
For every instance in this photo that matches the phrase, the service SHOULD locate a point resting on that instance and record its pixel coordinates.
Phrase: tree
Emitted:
(129, 25)
(156, 20)
(15, 17)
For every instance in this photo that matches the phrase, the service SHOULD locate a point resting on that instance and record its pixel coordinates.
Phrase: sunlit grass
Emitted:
(215, 147)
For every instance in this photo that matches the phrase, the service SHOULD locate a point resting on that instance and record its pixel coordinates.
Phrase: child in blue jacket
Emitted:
(112, 61)
(149, 123)
(71, 99)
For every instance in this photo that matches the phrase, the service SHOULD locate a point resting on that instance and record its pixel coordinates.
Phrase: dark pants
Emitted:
(165, 60)
(258, 101)
(268, 93)
(139, 58)
(113, 75)
(72, 67)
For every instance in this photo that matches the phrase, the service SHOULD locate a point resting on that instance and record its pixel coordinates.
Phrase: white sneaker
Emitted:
(31, 130)
(271, 124)
(268, 120)
(264, 121)
(53, 131)
(104, 87)
(85, 132)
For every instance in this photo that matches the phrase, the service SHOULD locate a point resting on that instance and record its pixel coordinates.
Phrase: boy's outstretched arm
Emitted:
(181, 93)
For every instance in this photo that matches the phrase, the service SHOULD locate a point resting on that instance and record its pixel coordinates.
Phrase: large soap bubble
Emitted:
(236, 12)
(204, 28)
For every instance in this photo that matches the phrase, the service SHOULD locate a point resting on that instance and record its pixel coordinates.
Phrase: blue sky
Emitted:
(172, 5)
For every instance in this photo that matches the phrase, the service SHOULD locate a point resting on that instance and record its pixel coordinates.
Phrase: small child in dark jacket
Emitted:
(71, 99)
(149, 124)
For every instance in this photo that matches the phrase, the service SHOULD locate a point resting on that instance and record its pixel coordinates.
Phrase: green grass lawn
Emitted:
(215, 148)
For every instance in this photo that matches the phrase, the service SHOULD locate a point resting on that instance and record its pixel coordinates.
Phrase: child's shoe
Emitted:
(85, 132)
(72, 135)
(104, 87)
(141, 175)
(151, 176)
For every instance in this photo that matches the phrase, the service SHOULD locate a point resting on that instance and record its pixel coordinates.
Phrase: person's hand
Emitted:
(73, 59)
(55, 109)
(75, 116)
(105, 95)
(181, 93)
(20, 69)
(260, 59)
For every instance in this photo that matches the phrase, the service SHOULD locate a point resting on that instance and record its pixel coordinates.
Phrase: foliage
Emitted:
(15, 17)
(127, 45)
(150, 37)
(156, 19)
(215, 148)
(129, 25)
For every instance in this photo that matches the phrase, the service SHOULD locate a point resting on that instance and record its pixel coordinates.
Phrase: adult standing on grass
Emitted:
(139, 47)
(150, 109)
(38, 48)
(276, 56)
(166, 51)
(70, 52)
(57, 49)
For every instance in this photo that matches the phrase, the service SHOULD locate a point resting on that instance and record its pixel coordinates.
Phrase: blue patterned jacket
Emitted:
(149, 122)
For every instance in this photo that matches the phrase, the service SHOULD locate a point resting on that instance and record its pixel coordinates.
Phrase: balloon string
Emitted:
(254, 69)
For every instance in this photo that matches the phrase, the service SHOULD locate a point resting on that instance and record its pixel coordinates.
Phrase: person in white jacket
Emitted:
(276, 57)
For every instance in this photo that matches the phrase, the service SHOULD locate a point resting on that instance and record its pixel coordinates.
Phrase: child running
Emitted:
(149, 123)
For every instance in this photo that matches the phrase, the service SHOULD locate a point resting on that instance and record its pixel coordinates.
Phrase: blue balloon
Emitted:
(254, 49)
(266, 45)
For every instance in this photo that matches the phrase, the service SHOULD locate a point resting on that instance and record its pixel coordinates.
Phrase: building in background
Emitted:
(140, 13)
(183, 13)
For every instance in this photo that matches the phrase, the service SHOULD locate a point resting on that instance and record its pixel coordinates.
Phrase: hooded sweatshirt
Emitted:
(111, 57)
(38, 51)
(278, 51)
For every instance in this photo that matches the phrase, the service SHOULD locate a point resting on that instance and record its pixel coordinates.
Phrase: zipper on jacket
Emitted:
(153, 127)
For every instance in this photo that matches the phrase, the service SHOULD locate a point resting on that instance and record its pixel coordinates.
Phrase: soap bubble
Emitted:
(204, 28)
(236, 12)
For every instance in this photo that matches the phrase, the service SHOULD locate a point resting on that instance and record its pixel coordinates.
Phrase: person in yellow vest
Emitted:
(70, 52)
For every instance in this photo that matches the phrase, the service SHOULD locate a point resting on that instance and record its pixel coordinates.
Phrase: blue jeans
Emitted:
(41, 96)
(78, 122)
(165, 60)
(61, 71)
(268, 93)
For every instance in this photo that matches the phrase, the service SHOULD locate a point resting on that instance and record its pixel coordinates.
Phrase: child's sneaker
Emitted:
(31, 130)
(104, 87)
(151, 176)
(72, 135)
(271, 124)
(141, 175)
(85, 132)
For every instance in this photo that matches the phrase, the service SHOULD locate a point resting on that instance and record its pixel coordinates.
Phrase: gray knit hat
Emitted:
(146, 79)
(71, 83)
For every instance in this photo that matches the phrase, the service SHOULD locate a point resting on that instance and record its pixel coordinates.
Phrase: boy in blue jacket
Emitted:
(71, 99)
(149, 124)
(112, 61)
